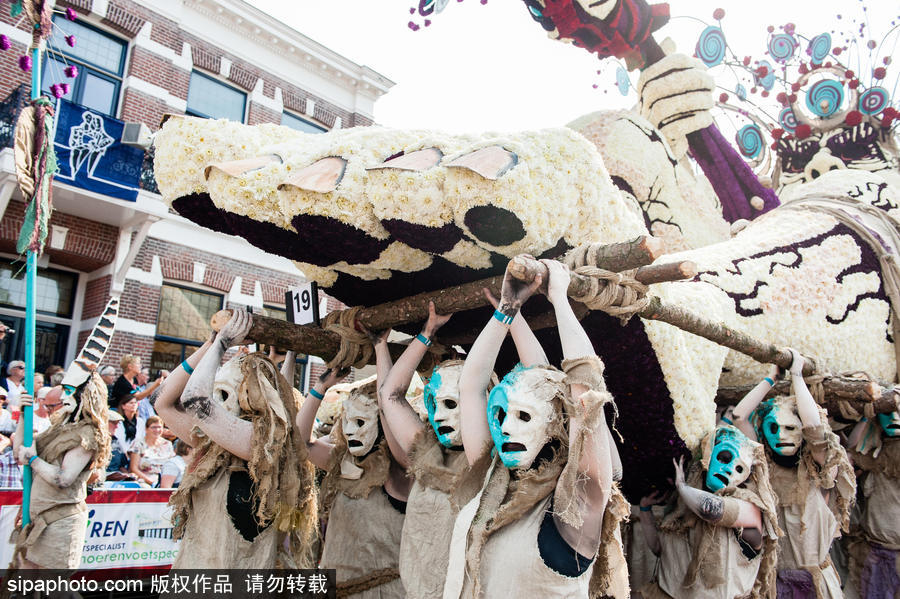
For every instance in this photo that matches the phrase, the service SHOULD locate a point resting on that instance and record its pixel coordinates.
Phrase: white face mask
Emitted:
(783, 429)
(442, 403)
(226, 384)
(520, 411)
(360, 425)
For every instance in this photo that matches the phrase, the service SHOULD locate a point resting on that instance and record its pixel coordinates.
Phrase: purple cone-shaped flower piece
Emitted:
(70, 39)
(71, 71)
(65, 88)
(71, 14)
(25, 63)
(4, 42)
(56, 90)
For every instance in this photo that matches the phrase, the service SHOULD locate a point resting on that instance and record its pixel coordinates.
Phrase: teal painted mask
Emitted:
(520, 413)
(890, 423)
(441, 399)
(730, 460)
(781, 426)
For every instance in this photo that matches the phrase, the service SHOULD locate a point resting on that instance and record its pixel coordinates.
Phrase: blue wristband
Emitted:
(31, 459)
(646, 508)
(770, 381)
(424, 339)
(316, 394)
(503, 318)
(187, 367)
(727, 420)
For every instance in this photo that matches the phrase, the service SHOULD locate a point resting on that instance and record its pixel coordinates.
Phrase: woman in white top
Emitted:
(148, 455)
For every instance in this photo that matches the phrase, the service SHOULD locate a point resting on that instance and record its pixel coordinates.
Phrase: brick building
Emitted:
(138, 61)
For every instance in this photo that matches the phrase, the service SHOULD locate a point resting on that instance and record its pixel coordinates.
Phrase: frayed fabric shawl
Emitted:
(283, 483)
(433, 465)
(35, 166)
(373, 471)
(758, 491)
(835, 474)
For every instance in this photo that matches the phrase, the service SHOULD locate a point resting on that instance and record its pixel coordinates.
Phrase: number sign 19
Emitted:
(302, 304)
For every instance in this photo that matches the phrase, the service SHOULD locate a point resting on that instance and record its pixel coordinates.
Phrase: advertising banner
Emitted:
(126, 529)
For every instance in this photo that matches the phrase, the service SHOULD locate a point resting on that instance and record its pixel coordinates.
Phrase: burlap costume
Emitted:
(425, 542)
(704, 561)
(875, 553)
(810, 521)
(362, 538)
(55, 536)
(494, 550)
(233, 513)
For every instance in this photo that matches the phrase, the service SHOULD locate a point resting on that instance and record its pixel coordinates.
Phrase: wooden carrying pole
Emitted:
(857, 393)
(525, 269)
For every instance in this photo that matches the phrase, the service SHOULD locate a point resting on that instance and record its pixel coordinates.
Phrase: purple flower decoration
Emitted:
(4, 42)
(56, 90)
(65, 88)
(71, 71)
(25, 63)
(71, 14)
(70, 39)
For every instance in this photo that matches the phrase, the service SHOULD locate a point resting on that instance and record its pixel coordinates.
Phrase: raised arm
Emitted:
(399, 416)
(167, 405)
(595, 469)
(139, 395)
(319, 449)
(476, 372)
(648, 521)
(527, 345)
(807, 408)
(745, 407)
(225, 429)
(721, 511)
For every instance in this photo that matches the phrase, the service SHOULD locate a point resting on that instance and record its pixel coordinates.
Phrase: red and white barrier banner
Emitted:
(126, 528)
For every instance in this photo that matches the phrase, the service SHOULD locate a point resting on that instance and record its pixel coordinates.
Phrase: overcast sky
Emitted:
(491, 67)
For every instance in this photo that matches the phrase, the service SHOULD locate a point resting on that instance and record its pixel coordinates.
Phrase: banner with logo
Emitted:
(126, 529)
(91, 154)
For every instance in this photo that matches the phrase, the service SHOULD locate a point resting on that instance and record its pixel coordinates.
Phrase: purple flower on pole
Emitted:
(71, 14)
(71, 71)
(4, 42)
(70, 39)
(25, 63)
(65, 88)
(56, 90)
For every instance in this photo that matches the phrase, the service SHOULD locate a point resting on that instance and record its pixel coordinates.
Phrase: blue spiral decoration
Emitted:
(622, 81)
(782, 47)
(824, 98)
(711, 46)
(873, 100)
(788, 119)
(741, 92)
(819, 47)
(767, 82)
(749, 140)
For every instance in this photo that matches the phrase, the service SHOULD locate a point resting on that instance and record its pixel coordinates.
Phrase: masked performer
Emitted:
(546, 502)
(62, 459)
(249, 491)
(812, 477)
(875, 555)
(720, 539)
(363, 494)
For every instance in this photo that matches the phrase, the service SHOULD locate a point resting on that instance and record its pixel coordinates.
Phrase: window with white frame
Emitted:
(210, 98)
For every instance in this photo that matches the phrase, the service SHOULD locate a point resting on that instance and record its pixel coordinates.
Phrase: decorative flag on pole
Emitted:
(35, 167)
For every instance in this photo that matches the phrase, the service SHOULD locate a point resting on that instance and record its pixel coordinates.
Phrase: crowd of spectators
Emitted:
(143, 453)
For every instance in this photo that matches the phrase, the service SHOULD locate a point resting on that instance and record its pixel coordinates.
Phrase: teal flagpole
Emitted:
(30, 324)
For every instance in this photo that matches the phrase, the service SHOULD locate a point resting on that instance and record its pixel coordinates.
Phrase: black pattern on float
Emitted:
(434, 240)
(868, 264)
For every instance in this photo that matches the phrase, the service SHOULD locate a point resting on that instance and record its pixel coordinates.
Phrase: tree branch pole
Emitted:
(857, 392)
(526, 268)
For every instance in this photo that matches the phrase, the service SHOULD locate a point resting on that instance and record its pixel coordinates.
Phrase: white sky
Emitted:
(491, 67)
